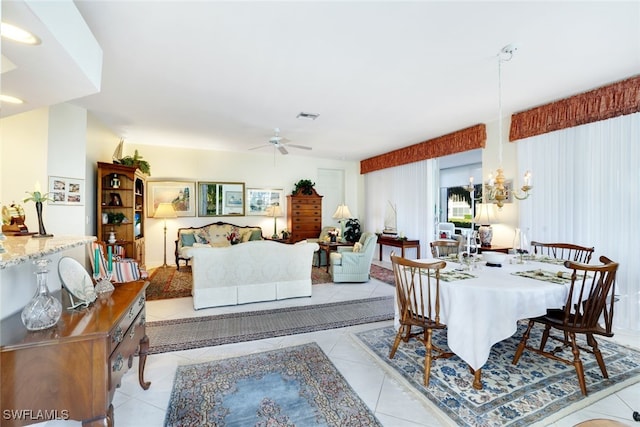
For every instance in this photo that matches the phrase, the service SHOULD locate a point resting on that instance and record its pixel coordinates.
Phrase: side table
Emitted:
(399, 243)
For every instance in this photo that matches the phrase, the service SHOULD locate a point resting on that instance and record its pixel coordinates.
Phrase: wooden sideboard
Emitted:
(71, 371)
(304, 215)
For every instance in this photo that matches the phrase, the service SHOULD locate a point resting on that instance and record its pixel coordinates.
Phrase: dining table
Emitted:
(481, 304)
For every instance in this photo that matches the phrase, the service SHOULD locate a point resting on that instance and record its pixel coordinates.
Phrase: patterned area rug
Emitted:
(285, 387)
(185, 334)
(536, 391)
(165, 283)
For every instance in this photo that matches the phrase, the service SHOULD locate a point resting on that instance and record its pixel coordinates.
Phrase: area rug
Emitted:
(293, 386)
(383, 274)
(165, 283)
(536, 391)
(185, 334)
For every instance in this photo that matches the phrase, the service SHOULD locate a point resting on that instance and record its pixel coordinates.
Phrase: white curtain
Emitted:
(586, 185)
(413, 190)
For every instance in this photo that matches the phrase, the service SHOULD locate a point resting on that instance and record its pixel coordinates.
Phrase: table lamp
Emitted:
(485, 216)
(341, 214)
(274, 211)
(164, 211)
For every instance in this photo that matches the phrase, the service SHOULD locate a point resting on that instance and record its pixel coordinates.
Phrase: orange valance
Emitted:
(609, 101)
(456, 142)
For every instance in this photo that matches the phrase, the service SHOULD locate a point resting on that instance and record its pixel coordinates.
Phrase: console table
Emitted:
(71, 371)
(399, 243)
(494, 248)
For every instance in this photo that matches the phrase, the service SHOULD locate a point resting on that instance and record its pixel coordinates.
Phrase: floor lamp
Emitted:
(164, 211)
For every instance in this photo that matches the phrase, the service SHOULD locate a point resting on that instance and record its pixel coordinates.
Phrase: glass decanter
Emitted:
(44, 310)
(520, 245)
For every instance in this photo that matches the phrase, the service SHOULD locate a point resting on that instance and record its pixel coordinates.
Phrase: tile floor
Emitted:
(392, 404)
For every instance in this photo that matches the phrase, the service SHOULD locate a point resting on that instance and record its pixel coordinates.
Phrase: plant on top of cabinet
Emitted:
(305, 186)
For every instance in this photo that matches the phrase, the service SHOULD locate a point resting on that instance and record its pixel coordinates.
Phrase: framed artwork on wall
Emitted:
(66, 191)
(220, 198)
(182, 194)
(259, 199)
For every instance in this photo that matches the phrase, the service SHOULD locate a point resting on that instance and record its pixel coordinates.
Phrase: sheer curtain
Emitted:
(413, 190)
(586, 186)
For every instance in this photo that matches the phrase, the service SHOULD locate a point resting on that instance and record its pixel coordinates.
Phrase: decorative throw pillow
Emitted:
(221, 244)
(256, 235)
(233, 236)
(187, 239)
(357, 247)
(201, 236)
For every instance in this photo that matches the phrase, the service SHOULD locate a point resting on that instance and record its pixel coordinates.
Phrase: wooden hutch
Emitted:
(304, 215)
(121, 190)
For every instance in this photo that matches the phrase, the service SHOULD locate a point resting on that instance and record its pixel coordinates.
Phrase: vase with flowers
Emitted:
(333, 235)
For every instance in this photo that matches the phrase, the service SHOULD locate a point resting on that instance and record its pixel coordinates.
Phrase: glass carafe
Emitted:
(44, 310)
(520, 245)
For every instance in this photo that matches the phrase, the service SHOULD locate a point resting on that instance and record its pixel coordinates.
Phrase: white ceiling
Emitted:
(382, 75)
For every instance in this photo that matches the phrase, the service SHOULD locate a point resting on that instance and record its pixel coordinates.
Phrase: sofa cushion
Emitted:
(255, 235)
(202, 236)
(187, 239)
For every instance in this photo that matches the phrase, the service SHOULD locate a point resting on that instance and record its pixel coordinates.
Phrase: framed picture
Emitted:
(182, 194)
(66, 191)
(220, 198)
(259, 199)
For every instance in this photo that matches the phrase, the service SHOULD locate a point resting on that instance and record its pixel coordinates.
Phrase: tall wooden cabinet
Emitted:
(121, 193)
(304, 215)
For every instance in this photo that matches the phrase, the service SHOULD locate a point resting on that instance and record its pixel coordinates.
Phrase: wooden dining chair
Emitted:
(444, 248)
(566, 251)
(418, 297)
(590, 298)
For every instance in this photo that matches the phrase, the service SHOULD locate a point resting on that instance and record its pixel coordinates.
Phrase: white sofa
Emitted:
(260, 270)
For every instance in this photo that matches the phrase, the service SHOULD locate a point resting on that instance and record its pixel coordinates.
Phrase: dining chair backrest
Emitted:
(591, 297)
(566, 251)
(418, 291)
(444, 248)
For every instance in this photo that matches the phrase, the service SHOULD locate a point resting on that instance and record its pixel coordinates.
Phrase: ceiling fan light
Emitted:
(307, 116)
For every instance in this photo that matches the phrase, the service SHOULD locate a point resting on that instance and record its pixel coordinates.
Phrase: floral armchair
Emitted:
(352, 264)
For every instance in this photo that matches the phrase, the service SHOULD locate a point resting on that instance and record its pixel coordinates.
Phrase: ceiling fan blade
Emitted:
(304, 147)
(282, 149)
(259, 146)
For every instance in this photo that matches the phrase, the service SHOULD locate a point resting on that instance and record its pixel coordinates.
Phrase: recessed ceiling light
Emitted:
(11, 99)
(308, 116)
(17, 34)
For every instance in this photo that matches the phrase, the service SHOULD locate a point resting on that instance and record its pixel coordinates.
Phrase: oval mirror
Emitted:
(77, 282)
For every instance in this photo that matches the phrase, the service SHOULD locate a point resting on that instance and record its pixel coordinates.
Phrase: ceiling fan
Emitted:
(280, 143)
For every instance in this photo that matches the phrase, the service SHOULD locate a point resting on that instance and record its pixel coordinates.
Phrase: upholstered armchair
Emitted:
(352, 264)
(123, 270)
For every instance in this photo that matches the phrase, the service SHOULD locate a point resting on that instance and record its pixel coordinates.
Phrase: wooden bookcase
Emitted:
(121, 190)
(304, 215)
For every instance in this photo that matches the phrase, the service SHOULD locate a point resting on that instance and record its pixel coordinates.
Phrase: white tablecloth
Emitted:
(484, 310)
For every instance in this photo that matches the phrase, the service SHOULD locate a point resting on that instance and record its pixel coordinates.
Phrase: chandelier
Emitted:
(495, 188)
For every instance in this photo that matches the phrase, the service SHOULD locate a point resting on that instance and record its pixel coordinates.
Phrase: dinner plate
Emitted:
(76, 281)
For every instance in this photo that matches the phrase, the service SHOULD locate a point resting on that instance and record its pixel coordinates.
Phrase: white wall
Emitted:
(256, 170)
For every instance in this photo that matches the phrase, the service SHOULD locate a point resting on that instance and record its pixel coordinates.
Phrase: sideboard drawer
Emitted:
(122, 357)
(117, 333)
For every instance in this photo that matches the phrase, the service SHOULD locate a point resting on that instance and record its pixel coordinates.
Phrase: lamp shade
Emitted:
(486, 214)
(165, 210)
(342, 212)
(274, 211)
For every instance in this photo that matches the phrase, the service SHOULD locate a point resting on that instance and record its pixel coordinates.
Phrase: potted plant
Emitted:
(136, 161)
(304, 186)
(116, 217)
(352, 231)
